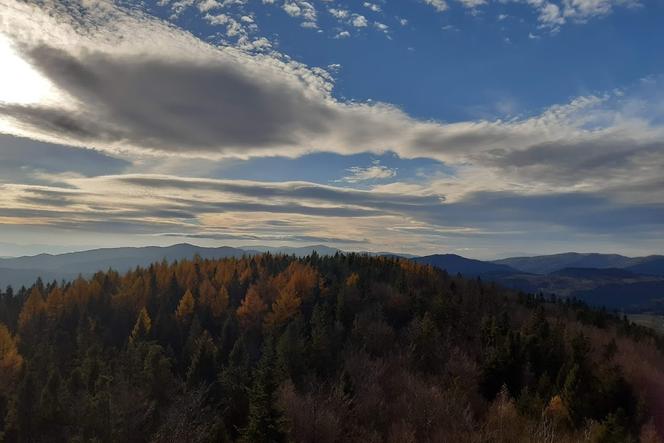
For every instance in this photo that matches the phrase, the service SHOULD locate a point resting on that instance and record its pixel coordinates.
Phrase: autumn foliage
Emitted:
(347, 348)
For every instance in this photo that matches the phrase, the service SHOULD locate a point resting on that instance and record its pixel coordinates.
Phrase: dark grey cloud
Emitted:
(566, 163)
(172, 105)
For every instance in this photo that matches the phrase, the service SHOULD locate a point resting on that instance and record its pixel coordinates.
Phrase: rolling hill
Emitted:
(545, 264)
(456, 264)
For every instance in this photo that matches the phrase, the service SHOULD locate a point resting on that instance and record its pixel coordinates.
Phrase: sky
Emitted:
(485, 128)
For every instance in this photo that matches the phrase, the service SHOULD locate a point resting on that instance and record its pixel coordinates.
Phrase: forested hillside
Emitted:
(345, 348)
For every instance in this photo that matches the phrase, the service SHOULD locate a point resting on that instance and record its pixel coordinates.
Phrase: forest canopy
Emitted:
(344, 348)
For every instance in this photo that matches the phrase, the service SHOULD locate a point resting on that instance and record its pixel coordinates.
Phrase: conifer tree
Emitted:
(185, 311)
(266, 424)
(142, 327)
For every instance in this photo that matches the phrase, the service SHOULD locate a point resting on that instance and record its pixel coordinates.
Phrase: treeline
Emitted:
(348, 348)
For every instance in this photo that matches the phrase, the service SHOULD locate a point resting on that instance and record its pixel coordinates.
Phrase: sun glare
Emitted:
(20, 83)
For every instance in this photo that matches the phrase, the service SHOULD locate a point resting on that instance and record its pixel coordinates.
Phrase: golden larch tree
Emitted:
(33, 308)
(11, 361)
(251, 309)
(185, 310)
(142, 326)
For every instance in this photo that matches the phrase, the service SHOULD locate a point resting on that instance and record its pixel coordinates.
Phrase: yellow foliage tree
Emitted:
(55, 304)
(185, 310)
(142, 326)
(353, 280)
(11, 361)
(251, 309)
(216, 300)
(301, 279)
(503, 422)
(557, 412)
(33, 307)
(284, 308)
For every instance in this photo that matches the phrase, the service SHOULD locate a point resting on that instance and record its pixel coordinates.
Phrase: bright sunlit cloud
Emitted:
(20, 83)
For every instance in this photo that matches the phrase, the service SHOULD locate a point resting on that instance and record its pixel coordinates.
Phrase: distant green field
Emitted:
(655, 322)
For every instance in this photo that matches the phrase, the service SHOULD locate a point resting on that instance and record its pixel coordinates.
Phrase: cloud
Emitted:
(304, 9)
(438, 5)
(339, 13)
(306, 212)
(359, 21)
(31, 161)
(133, 90)
(225, 236)
(471, 4)
(555, 14)
(226, 102)
(374, 172)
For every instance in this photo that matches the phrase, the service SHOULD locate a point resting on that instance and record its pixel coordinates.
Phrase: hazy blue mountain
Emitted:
(653, 265)
(25, 270)
(86, 261)
(545, 264)
(454, 264)
(26, 277)
(393, 255)
(301, 251)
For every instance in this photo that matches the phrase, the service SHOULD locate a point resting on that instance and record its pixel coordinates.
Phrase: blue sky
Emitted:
(481, 127)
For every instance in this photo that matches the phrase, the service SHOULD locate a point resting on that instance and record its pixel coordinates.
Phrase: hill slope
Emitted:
(455, 264)
(545, 264)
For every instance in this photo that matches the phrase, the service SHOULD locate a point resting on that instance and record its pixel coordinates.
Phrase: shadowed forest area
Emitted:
(344, 348)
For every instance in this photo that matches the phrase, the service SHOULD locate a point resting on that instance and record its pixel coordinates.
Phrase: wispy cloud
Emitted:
(374, 172)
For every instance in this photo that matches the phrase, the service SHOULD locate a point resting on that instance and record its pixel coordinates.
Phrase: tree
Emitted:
(11, 361)
(251, 310)
(142, 326)
(265, 420)
(33, 308)
(291, 349)
(425, 344)
(283, 309)
(203, 366)
(320, 350)
(185, 310)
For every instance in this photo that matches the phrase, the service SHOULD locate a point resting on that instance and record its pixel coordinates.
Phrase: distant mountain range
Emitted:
(456, 264)
(545, 264)
(21, 271)
(634, 284)
(614, 281)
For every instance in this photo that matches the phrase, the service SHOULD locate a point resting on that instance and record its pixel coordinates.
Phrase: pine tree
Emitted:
(320, 351)
(265, 424)
(203, 366)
